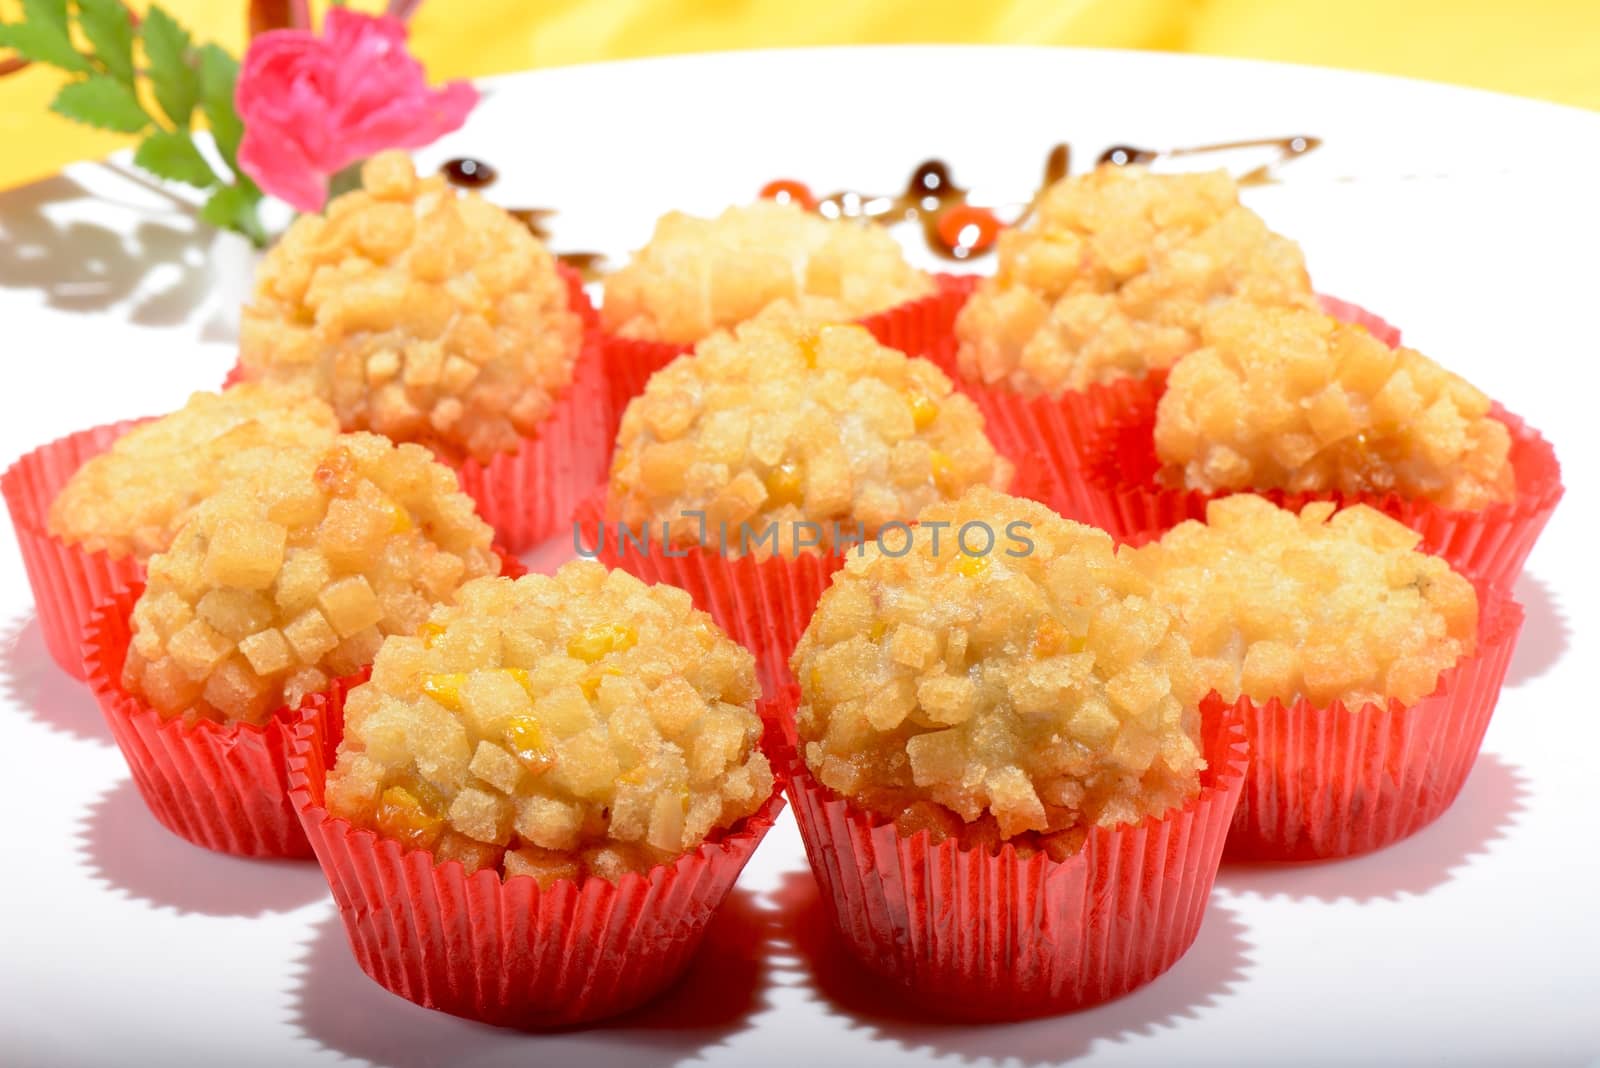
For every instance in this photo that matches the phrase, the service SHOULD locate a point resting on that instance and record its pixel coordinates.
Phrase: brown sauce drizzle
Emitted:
(1289, 149)
(929, 194)
(955, 229)
(467, 173)
(952, 227)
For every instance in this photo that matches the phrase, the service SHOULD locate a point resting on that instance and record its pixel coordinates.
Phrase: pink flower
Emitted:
(312, 105)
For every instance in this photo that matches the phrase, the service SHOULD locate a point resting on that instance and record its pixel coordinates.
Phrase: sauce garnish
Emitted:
(468, 173)
(952, 227)
(956, 229)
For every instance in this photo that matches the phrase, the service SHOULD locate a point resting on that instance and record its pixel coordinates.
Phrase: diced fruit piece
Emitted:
(268, 652)
(528, 743)
(349, 605)
(599, 640)
(244, 553)
(401, 814)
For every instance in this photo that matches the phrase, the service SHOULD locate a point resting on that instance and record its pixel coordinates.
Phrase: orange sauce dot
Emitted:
(966, 230)
(789, 191)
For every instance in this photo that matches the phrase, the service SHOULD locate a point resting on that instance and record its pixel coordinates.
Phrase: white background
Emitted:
(1468, 219)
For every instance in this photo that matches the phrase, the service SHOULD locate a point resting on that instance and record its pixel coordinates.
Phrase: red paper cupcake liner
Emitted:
(68, 582)
(992, 936)
(1356, 315)
(526, 495)
(1335, 782)
(1061, 429)
(1116, 489)
(502, 950)
(763, 605)
(915, 328)
(218, 785)
(629, 363)
(221, 786)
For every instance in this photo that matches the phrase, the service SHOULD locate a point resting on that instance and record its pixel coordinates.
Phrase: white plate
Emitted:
(1467, 218)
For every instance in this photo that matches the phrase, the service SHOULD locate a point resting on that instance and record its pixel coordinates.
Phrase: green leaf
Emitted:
(43, 42)
(171, 154)
(109, 29)
(222, 207)
(102, 101)
(233, 207)
(173, 78)
(218, 73)
(51, 13)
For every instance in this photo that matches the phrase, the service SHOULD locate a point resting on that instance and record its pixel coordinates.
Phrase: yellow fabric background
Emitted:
(1539, 48)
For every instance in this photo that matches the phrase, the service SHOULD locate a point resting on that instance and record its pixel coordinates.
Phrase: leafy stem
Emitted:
(109, 87)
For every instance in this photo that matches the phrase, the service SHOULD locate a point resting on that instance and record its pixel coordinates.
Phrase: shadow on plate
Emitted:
(1545, 633)
(125, 846)
(339, 1008)
(1484, 811)
(33, 681)
(1206, 975)
(156, 264)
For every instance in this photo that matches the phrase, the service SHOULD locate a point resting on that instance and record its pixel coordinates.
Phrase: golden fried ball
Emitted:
(1027, 693)
(420, 313)
(701, 275)
(1113, 275)
(556, 726)
(1325, 605)
(1296, 400)
(789, 420)
(294, 576)
(132, 499)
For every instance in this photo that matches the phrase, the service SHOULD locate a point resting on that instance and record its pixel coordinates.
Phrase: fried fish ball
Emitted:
(132, 499)
(293, 576)
(555, 726)
(1326, 605)
(1023, 694)
(1112, 278)
(787, 420)
(420, 313)
(701, 275)
(1296, 400)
